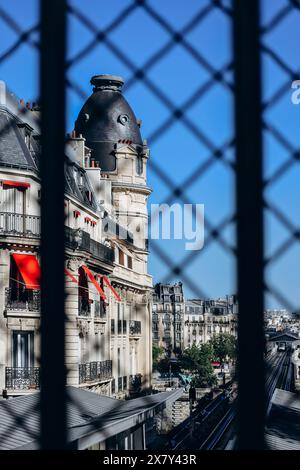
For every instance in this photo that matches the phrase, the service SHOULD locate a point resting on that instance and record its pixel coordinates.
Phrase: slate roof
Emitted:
(13, 150)
(283, 424)
(87, 413)
(284, 337)
(15, 153)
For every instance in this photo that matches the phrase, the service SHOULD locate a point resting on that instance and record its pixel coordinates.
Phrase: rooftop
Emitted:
(283, 425)
(91, 417)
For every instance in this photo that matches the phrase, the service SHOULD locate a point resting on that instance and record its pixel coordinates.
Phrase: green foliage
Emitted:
(162, 365)
(157, 353)
(224, 347)
(197, 360)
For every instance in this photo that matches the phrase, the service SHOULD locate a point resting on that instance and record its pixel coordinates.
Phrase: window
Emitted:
(119, 361)
(116, 254)
(13, 199)
(139, 165)
(17, 289)
(129, 262)
(23, 349)
(83, 293)
(112, 326)
(121, 257)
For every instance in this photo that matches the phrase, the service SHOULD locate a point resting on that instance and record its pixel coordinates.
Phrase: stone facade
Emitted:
(205, 318)
(108, 288)
(168, 317)
(178, 323)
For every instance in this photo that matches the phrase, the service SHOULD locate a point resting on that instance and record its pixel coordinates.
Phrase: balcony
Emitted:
(29, 300)
(97, 371)
(81, 240)
(22, 378)
(20, 225)
(135, 329)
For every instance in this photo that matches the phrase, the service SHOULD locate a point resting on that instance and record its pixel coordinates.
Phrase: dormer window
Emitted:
(26, 131)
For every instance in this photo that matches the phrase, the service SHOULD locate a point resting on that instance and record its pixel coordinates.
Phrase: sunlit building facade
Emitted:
(108, 288)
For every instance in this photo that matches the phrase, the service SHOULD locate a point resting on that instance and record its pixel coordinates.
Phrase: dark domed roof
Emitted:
(106, 118)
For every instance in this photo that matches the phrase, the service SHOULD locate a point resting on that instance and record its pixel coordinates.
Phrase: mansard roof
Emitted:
(16, 153)
(107, 119)
(13, 149)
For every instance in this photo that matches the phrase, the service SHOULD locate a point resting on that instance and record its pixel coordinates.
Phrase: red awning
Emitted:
(29, 268)
(111, 287)
(215, 363)
(16, 184)
(71, 276)
(91, 277)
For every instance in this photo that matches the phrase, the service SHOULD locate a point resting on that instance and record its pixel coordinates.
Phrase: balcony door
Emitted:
(13, 200)
(23, 349)
(13, 205)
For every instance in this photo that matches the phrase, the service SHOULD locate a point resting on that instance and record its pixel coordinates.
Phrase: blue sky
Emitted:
(178, 152)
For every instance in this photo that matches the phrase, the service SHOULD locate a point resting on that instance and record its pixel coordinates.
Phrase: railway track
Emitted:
(183, 433)
(279, 376)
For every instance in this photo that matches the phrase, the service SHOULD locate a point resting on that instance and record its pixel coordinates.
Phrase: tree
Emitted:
(224, 347)
(157, 352)
(197, 360)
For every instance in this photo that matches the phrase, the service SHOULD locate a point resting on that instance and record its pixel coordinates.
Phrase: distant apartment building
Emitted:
(167, 317)
(205, 318)
(178, 323)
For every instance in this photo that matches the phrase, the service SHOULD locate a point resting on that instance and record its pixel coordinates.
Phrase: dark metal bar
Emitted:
(251, 373)
(52, 76)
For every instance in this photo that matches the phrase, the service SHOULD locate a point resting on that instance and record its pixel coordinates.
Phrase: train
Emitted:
(281, 347)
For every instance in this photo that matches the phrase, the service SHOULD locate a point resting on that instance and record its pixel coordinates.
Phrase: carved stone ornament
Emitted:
(99, 329)
(83, 327)
(73, 264)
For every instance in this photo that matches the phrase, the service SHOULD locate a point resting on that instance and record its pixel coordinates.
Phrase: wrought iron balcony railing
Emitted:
(22, 378)
(28, 300)
(95, 371)
(135, 328)
(20, 225)
(78, 239)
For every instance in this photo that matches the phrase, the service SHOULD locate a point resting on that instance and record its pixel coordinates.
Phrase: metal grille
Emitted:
(252, 41)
